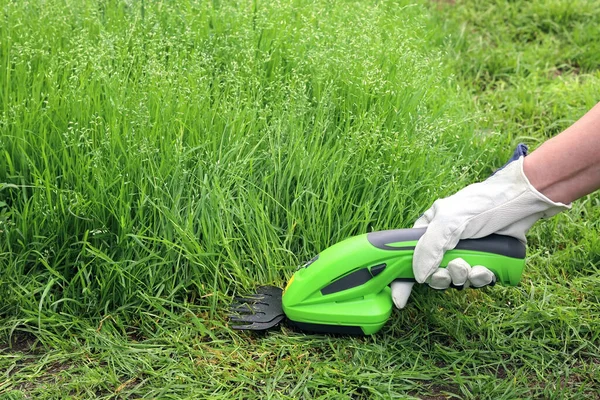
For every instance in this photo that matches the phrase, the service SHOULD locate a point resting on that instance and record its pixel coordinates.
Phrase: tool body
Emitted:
(345, 288)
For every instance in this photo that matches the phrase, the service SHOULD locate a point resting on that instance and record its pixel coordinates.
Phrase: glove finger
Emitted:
(401, 292)
(440, 279)
(425, 219)
(481, 276)
(459, 271)
(430, 249)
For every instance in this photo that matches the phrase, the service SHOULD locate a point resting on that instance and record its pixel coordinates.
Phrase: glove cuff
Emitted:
(553, 206)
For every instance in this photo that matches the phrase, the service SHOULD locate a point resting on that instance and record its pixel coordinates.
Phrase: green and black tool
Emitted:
(345, 289)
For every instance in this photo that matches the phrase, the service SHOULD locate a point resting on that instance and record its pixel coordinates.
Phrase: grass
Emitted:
(157, 158)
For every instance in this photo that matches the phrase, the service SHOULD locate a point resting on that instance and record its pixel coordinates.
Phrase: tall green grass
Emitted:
(173, 151)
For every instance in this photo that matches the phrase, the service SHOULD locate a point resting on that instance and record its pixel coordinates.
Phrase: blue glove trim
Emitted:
(520, 151)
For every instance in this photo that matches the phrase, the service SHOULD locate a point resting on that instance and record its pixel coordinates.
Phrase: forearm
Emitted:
(567, 166)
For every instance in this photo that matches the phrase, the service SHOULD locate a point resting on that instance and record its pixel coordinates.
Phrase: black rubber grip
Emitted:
(496, 244)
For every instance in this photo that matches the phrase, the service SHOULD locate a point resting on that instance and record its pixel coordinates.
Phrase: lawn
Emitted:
(158, 158)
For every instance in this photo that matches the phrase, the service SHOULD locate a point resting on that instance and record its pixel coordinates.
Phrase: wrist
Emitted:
(561, 180)
(543, 187)
(538, 179)
(543, 180)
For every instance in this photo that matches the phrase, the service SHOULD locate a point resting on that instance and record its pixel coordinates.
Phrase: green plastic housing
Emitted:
(345, 289)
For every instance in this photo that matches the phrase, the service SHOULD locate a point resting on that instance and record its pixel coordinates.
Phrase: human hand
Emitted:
(506, 204)
(458, 274)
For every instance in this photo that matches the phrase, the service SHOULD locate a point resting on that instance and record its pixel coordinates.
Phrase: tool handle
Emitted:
(503, 255)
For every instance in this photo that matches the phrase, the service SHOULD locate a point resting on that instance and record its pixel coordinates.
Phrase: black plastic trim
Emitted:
(495, 244)
(312, 260)
(457, 287)
(351, 280)
(381, 239)
(324, 328)
(406, 279)
(377, 269)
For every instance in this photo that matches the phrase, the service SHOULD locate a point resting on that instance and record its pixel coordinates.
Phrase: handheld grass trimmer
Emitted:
(345, 289)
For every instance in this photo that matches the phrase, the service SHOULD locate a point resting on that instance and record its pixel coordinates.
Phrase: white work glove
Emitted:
(506, 204)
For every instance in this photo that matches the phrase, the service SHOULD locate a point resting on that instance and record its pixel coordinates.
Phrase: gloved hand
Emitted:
(506, 204)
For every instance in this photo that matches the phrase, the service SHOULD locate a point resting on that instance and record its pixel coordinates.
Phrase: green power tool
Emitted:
(345, 289)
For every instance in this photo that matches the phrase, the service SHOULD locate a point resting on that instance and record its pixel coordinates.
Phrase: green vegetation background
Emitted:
(158, 157)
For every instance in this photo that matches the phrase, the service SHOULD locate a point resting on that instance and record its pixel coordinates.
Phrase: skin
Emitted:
(567, 166)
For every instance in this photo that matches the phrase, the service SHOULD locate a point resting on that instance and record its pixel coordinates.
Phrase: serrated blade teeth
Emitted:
(259, 311)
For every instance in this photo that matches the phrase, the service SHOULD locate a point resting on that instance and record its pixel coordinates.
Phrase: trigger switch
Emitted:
(377, 269)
